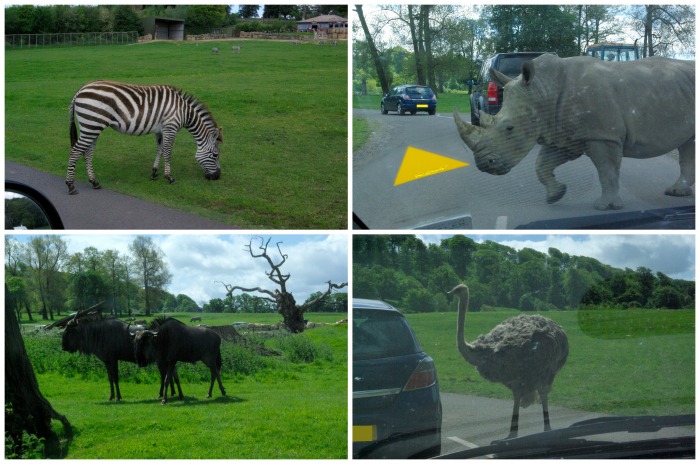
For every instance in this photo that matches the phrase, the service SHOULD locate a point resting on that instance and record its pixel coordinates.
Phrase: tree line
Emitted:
(443, 46)
(416, 276)
(44, 280)
(199, 19)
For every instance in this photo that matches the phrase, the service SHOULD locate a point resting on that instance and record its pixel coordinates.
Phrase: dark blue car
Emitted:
(397, 411)
(409, 99)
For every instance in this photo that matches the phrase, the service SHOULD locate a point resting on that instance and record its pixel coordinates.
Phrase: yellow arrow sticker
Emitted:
(418, 164)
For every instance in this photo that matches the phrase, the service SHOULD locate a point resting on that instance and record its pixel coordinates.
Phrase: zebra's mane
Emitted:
(200, 108)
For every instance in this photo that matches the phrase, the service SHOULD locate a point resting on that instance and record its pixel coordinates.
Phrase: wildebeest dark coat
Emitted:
(174, 341)
(111, 342)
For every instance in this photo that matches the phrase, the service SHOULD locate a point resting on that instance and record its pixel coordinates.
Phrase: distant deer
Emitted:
(236, 49)
(215, 51)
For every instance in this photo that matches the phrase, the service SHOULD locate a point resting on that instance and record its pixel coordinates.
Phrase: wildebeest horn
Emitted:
(469, 133)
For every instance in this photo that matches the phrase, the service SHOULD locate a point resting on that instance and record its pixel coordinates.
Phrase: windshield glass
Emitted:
(582, 144)
(585, 327)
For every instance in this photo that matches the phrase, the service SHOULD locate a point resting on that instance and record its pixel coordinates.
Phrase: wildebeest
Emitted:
(111, 342)
(173, 341)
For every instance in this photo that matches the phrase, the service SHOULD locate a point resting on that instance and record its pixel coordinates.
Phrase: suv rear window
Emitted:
(511, 66)
(381, 334)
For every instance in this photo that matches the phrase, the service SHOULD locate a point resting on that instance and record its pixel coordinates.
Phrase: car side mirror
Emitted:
(27, 208)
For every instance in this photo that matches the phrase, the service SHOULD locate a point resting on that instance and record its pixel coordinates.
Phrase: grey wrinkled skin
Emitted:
(581, 105)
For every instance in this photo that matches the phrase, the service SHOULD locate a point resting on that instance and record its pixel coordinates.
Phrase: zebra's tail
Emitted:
(73, 128)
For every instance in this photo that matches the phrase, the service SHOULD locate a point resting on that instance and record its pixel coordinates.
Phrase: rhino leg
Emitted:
(607, 158)
(682, 187)
(548, 159)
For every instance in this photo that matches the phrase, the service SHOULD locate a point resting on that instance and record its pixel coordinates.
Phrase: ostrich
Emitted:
(524, 353)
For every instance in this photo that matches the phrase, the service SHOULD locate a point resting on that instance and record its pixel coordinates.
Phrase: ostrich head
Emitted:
(460, 291)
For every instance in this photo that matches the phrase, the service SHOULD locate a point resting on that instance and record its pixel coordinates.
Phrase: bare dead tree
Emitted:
(292, 314)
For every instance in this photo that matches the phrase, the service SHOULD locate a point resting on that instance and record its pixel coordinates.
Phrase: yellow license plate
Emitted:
(365, 433)
(421, 105)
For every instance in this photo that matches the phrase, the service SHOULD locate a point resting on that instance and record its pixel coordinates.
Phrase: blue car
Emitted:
(397, 411)
(409, 99)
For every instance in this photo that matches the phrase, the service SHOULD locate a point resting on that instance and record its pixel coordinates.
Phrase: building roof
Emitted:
(325, 19)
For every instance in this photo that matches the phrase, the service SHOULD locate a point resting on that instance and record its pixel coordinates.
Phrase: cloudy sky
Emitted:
(198, 261)
(674, 255)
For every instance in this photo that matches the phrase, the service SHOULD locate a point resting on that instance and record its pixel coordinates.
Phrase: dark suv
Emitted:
(409, 98)
(397, 411)
(487, 95)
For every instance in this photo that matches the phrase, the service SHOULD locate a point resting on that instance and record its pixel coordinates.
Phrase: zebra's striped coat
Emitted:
(137, 110)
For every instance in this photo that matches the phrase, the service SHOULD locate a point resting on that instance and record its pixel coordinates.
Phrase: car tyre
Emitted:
(384, 110)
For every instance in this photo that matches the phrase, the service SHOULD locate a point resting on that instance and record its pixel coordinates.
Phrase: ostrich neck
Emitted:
(467, 350)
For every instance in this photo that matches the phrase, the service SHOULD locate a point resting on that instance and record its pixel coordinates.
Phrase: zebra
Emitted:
(137, 110)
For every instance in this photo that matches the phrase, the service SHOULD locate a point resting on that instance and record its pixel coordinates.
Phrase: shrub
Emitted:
(299, 349)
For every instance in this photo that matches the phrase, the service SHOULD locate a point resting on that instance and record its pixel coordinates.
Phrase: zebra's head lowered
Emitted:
(208, 153)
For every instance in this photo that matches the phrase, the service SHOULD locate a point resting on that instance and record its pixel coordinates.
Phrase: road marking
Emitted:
(469, 445)
(501, 222)
(466, 443)
(418, 164)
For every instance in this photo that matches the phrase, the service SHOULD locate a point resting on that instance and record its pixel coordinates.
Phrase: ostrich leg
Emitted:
(545, 410)
(516, 413)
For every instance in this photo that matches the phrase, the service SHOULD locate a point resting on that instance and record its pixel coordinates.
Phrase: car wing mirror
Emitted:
(27, 208)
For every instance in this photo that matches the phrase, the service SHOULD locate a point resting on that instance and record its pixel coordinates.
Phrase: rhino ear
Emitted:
(528, 72)
(499, 77)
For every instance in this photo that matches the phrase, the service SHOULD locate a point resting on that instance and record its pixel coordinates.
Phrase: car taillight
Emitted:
(492, 93)
(423, 376)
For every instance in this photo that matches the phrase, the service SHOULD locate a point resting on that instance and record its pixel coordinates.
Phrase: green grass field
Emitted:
(292, 406)
(283, 111)
(620, 362)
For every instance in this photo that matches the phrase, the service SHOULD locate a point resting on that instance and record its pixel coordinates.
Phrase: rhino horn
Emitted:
(499, 77)
(486, 120)
(469, 133)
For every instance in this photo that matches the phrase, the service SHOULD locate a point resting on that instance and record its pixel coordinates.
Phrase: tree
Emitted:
(292, 314)
(153, 270)
(384, 81)
(126, 19)
(534, 27)
(664, 27)
(248, 11)
(203, 18)
(28, 410)
(46, 257)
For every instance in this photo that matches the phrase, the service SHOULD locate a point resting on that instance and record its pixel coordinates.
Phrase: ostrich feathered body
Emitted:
(524, 352)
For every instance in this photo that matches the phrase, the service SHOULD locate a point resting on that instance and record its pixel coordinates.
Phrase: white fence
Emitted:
(70, 39)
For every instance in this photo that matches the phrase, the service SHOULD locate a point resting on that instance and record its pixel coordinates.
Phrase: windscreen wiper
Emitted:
(569, 442)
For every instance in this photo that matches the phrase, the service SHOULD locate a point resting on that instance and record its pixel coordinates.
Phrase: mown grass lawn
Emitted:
(283, 111)
(620, 362)
(276, 407)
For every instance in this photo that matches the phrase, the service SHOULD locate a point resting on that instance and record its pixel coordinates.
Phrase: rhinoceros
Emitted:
(580, 105)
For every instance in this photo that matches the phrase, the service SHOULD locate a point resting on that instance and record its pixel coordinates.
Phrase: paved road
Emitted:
(105, 209)
(495, 202)
(472, 421)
